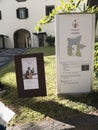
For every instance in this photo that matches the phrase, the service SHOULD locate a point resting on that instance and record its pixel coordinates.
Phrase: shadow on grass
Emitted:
(55, 110)
(64, 114)
(90, 99)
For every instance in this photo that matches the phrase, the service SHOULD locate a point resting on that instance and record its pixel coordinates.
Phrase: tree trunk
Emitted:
(91, 3)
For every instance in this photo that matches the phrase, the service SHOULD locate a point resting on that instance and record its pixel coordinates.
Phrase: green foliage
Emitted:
(50, 40)
(65, 7)
(96, 58)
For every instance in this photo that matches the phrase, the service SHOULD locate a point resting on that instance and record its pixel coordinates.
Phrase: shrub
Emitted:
(50, 40)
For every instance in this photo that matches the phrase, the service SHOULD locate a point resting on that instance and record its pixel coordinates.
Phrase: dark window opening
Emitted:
(49, 9)
(0, 15)
(20, 0)
(22, 13)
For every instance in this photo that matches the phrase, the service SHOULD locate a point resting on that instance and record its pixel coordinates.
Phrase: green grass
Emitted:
(42, 108)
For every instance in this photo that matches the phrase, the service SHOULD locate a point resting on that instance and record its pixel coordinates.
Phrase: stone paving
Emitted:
(7, 55)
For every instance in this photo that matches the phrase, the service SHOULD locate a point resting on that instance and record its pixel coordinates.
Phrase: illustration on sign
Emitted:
(74, 44)
(71, 43)
(30, 74)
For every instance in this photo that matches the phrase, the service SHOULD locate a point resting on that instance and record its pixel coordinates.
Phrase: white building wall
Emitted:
(10, 23)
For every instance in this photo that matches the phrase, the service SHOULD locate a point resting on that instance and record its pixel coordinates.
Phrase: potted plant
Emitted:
(50, 40)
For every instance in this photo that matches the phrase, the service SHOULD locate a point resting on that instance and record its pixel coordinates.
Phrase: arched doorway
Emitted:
(22, 39)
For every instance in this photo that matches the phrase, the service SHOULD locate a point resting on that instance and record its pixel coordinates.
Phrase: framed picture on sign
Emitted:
(30, 75)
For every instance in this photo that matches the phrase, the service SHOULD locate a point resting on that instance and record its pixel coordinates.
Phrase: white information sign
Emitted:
(74, 52)
(5, 114)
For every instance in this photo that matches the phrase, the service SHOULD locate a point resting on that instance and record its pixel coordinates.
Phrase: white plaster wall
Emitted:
(10, 23)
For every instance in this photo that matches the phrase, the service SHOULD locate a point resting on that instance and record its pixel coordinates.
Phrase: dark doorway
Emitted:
(3, 40)
(22, 39)
(41, 38)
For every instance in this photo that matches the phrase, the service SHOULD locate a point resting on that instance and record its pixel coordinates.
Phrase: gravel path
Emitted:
(87, 122)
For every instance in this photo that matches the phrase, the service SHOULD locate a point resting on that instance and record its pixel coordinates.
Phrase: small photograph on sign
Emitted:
(30, 73)
(85, 67)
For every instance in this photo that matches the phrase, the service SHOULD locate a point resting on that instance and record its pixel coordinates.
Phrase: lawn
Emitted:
(44, 108)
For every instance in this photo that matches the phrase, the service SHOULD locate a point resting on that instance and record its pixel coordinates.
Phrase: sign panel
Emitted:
(74, 52)
(30, 75)
(5, 114)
